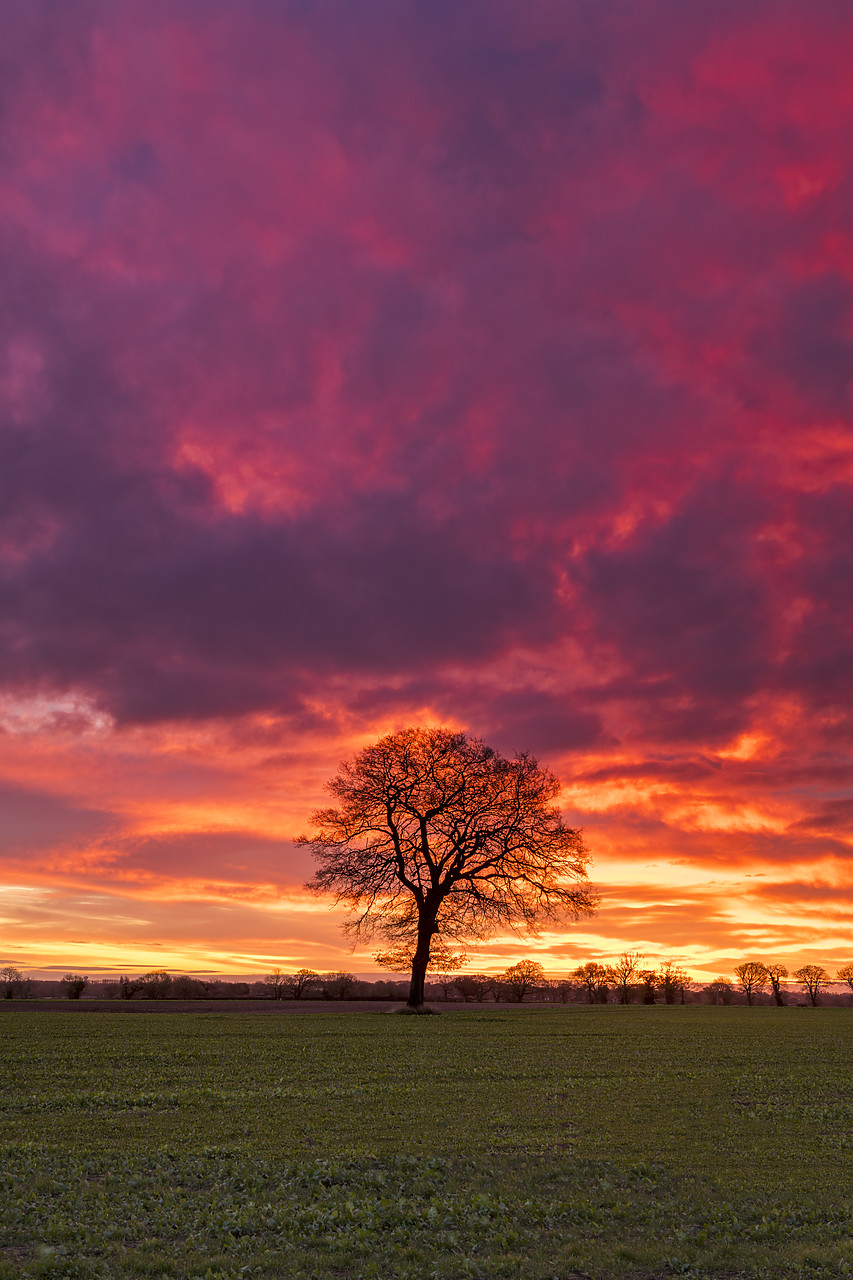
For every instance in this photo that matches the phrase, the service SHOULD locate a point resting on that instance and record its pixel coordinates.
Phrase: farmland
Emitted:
(601, 1141)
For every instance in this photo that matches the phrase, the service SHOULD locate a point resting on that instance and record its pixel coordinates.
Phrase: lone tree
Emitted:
(436, 833)
(845, 974)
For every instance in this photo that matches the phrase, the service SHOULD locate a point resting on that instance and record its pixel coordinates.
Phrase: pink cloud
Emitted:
(362, 365)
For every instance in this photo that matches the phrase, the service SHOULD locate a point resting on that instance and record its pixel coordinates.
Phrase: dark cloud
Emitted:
(380, 343)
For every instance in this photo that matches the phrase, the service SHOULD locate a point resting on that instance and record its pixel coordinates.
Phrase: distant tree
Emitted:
(185, 987)
(522, 978)
(775, 973)
(622, 974)
(156, 985)
(564, 989)
(720, 991)
(129, 986)
(74, 984)
(475, 986)
(338, 986)
(812, 978)
(650, 980)
(595, 978)
(753, 978)
(275, 984)
(447, 982)
(300, 984)
(386, 990)
(13, 983)
(845, 974)
(437, 834)
(673, 982)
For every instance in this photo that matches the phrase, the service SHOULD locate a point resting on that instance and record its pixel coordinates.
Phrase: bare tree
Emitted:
(564, 989)
(621, 974)
(845, 974)
(298, 985)
(752, 976)
(720, 990)
(338, 985)
(447, 982)
(813, 978)
(475, 986)
(522, 978)
(14, 985)
(595, 978)
(775, 973)
(436, 833)
(650, 979)
(185, 987)
(128, 986)
(156, 985)
(276, 984)
(673, 981)
(74, 984)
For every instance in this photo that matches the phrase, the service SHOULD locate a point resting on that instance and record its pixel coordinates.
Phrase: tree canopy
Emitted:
(434, 832)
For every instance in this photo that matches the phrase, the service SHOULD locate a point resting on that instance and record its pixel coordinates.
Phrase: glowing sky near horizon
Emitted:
(483, 363)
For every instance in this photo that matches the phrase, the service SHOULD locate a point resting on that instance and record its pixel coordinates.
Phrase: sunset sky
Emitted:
(483, 363)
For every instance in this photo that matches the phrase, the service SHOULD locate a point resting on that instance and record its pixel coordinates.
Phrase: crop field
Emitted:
(533, 1143)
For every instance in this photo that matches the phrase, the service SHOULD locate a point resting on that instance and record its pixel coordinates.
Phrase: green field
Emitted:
(553, 1142)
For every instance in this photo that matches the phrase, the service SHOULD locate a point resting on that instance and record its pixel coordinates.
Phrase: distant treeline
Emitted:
(625, 982)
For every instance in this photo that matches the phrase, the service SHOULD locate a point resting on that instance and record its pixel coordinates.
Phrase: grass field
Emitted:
(555, 1142)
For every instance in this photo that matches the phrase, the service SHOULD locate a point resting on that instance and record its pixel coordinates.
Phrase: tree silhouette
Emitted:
(300, 983)
(813, 977)
(475, 986)
(338, 985)
(720, 990)
(276, 984)
(595, 977)
(621, 974)
(74, 984)
(436, 833)
(845, 974)
(775, 973)
(156, 985)
(752, 976)
(673, 981)
(650, 979)
(14, 984)
(522, 977)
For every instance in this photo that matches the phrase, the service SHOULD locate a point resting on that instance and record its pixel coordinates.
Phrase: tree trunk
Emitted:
(420, 960)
